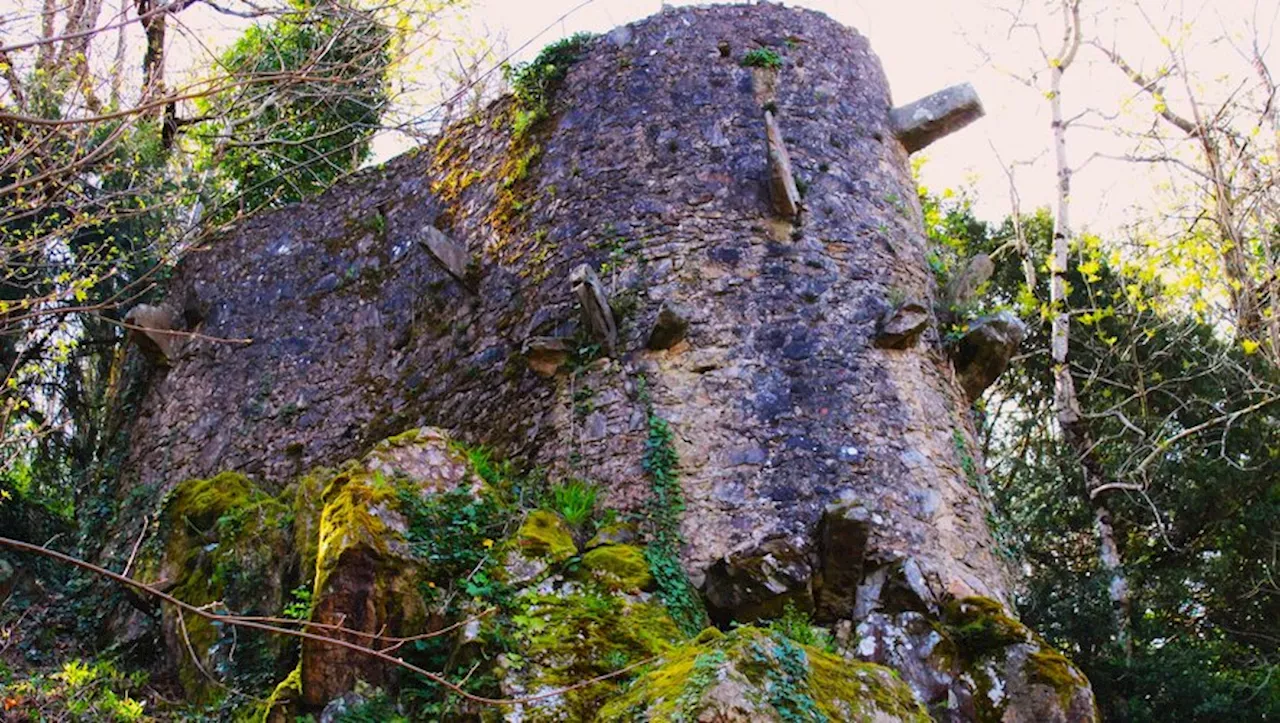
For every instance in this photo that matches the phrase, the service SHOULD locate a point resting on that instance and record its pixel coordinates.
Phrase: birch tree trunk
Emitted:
(1066, 403)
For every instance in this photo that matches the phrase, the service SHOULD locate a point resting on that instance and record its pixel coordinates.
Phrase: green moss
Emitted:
(614, 533)
(544, 534)
(283, 696)
(979, 626)
(578, 636)
(977, 630)
(708, 636)
(1049, 667)
(620, 567)
(787, 681)
(844, 688)
(225, 542)
(308, 505)
(353, 500)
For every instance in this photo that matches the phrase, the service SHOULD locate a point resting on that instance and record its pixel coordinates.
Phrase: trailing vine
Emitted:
(787, 673)
(666, 503)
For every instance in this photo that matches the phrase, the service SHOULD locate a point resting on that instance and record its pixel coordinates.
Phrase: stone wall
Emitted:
(653, 171)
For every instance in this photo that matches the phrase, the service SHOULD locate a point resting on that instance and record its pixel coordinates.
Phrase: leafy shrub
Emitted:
(79, 691)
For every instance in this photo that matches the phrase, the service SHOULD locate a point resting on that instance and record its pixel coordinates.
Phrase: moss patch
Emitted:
(283, 699)
(770, 675)
(1051, 668)
(357, 506)
(575, 636)
(620, 567)
(544, 534)
(979, 625)
(224, 542)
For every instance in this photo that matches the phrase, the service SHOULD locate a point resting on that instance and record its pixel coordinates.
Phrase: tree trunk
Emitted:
(1074, 429)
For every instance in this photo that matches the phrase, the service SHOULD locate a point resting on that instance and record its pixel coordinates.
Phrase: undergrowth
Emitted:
(95, 691)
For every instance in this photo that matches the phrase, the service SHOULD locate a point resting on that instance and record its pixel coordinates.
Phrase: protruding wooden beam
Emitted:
(596, 313)
(782, 184)
(926, 120)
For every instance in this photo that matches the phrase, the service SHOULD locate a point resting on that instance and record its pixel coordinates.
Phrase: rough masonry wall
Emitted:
(655, 165)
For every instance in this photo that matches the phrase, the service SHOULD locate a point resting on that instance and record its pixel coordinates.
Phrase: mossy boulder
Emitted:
(754, 675)
(225, 544)
(1015, 675)
(545, 534)
(619, 567)
(367, 576)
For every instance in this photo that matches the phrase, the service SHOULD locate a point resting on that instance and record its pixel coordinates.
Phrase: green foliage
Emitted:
(762, 58)
(534, 84)
(1197, 542)
(453, 532)
(379, 708)
(299, 608)
(797, 625)
(787, 671)
(80, 690)
(309, 92)
(575, 500)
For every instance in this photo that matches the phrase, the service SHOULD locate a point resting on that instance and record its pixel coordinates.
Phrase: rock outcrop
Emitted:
(983, 351)
(785, 391)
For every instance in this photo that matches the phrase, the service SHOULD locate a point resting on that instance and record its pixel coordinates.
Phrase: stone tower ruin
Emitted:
(731, 246)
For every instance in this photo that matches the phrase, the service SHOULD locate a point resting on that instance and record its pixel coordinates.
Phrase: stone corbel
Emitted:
(926, 120)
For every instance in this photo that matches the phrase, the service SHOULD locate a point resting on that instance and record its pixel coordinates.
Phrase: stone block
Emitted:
(153, 331)
(926, 120)
(450, 254)
(901, 326)
(596, 313)
(782, 182)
